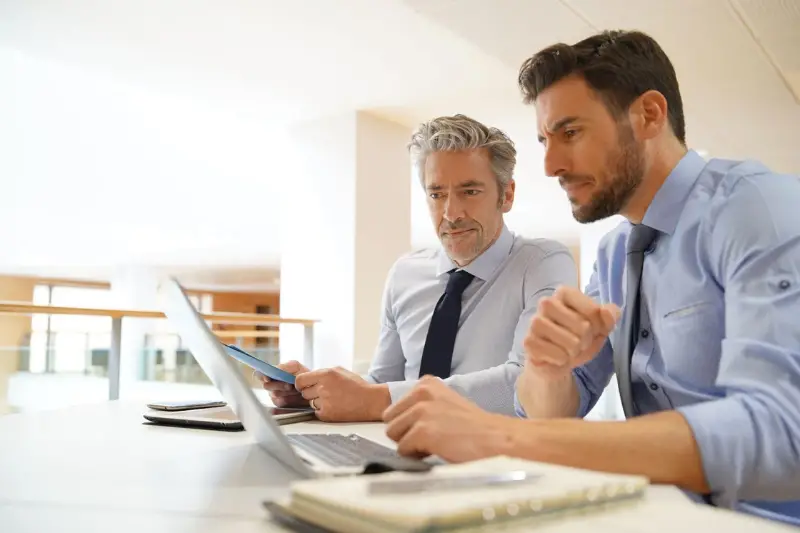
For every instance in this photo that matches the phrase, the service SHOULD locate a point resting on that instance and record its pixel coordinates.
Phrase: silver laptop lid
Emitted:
(224, 374)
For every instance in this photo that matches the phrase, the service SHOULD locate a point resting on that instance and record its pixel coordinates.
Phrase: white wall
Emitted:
(96, 173)
(318, 241)
(382, 225)
(349, 222)
(590, 236)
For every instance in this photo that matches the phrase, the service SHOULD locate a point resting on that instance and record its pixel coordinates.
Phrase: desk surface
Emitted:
(100, 468)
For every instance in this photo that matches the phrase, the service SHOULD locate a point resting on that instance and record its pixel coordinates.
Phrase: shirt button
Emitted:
(653, 386)
(784, 284)
(645, 333)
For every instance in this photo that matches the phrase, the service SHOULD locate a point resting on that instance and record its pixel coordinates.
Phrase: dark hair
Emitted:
(619, 65)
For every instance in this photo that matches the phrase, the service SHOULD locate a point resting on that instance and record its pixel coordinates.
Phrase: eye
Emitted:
(472, 192)
(570, 133)
(435, 195)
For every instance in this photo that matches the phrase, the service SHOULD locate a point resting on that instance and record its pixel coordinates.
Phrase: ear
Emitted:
(508, 197)
(648, 115)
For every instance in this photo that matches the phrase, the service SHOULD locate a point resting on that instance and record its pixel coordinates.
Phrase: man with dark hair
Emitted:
(693, 301)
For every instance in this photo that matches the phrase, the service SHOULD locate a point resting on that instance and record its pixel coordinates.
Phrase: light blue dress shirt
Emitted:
(720, 325)
(510, 278)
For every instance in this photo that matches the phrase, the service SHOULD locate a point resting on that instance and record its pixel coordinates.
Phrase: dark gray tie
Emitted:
(640, 239)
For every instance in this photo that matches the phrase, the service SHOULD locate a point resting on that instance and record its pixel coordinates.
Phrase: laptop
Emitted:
(308, 455)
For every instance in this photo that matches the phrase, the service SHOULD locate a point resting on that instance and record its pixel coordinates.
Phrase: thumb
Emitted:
(292, 367)
(610, 314)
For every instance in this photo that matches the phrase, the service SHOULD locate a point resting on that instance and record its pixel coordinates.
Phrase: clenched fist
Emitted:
(568, 330)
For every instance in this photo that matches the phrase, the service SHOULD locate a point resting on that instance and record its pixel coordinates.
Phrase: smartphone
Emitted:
(271, 371)
(184, 405)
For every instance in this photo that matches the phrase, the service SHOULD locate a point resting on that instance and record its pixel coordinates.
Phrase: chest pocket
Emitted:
(690, 341)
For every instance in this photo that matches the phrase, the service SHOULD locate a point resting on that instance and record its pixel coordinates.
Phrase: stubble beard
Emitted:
(626, 165)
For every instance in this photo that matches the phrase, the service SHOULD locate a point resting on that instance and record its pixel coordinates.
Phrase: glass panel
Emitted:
(80, 343)
(38, 353)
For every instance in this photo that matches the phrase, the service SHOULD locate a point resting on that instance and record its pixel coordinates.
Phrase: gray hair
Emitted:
(458, 133)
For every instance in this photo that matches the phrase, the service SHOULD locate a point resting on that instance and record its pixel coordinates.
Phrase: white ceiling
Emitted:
(737, 102)
(146, 131)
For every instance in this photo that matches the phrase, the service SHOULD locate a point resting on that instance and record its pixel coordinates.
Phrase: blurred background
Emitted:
(256, 151)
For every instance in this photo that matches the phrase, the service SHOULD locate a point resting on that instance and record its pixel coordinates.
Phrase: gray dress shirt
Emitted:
(510, 278)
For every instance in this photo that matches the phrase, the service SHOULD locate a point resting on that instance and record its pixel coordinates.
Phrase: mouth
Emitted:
(576, 187)
(458, 233)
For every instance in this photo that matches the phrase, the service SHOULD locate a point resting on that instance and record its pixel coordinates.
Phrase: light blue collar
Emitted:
(484, 265)
(667, 205)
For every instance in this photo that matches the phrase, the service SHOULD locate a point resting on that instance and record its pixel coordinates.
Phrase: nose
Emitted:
(555, 160)
(453, 208)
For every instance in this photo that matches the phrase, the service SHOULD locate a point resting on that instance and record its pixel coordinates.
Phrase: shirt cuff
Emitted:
(520, 412)
(398, 389)
(723, 453)
(584, 396)
(583, 407)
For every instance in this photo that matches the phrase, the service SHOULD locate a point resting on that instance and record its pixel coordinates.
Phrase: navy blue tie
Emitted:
(437, 355)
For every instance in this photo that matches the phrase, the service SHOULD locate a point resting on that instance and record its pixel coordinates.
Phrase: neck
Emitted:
(461, 264)
(662, 163)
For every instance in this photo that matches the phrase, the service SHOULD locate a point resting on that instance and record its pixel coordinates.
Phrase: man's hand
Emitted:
(285, 394)
(568, 330)
(338, 395)
(433, 419)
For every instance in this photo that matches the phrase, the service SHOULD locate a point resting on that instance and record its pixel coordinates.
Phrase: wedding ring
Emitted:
(313, 404)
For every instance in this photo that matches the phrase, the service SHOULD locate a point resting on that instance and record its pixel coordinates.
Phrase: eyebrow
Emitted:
(557, 125)
(463, 185)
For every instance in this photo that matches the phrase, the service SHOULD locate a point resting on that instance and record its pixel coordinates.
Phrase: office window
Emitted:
(71, 343)
(68, 339)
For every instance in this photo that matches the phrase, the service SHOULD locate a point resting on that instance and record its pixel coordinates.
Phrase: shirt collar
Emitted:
(667, 205)
(484, 265)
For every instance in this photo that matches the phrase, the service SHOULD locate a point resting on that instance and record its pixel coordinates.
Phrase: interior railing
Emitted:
(104, 359)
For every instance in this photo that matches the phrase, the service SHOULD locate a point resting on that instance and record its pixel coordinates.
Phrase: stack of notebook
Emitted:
(490, 493)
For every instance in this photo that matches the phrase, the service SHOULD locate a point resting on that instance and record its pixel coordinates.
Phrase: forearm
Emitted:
(491, 389)
(376, 400)
(543, 397)
(659, 446)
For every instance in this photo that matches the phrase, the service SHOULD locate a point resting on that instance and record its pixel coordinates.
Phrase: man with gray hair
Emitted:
(459, 312)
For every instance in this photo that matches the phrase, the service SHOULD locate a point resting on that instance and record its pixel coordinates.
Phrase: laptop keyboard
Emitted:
(342, 450)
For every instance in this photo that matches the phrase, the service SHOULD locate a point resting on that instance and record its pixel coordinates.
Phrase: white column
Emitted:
(346, 219)
(133, 289)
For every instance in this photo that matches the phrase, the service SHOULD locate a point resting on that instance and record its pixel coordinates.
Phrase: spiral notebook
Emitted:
(440, 503)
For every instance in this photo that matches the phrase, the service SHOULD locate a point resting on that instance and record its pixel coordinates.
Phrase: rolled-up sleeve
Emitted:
(592, 378)
(749, 440)
(388, 361)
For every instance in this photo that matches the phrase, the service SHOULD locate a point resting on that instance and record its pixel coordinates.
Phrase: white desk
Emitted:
(98, 468)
